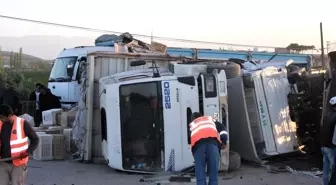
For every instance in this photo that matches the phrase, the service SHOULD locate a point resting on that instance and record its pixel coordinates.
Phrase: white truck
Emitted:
(64, 80)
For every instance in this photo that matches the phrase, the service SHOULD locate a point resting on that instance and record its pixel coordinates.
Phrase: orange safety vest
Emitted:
(18, 141)
(203, 127)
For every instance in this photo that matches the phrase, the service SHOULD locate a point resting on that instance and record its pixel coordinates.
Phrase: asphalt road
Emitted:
(74, 173)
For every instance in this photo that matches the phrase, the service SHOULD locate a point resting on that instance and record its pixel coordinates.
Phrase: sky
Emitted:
(257, 22)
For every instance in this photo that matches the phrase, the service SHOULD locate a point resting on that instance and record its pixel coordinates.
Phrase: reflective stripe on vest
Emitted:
(18, 141)
(203, 127)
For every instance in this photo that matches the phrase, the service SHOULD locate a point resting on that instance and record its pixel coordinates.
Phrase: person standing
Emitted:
(328, 149)
(14, 135)
(48, 100)
(11, 97)
(207, 136)
(35, 96)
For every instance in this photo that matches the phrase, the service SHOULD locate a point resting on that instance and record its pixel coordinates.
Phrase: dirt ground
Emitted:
(74, 173)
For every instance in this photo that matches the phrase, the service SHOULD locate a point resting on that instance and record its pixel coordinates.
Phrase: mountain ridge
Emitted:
(25, 57)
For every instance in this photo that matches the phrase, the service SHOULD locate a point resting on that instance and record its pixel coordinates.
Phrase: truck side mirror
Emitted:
(82, 59)
(70, 70)
(79, 74)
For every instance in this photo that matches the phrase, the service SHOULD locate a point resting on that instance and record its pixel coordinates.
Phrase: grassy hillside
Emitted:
(36, 70)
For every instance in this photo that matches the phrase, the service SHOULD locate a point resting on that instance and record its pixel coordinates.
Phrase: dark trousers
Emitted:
(329, 156)
(333, 178)
(38, 118)
(207, 155)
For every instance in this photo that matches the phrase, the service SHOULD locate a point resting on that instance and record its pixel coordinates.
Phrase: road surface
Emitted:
(74, 173)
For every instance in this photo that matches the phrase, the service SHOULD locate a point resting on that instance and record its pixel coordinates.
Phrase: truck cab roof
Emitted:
(143, 75)
(83, 50)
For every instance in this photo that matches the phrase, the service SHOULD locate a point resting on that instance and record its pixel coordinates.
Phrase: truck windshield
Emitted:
(61, 67)
(141, 122)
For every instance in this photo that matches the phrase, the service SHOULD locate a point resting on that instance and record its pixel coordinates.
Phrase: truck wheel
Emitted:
(234, 161)
(248, 81)
(231, 69)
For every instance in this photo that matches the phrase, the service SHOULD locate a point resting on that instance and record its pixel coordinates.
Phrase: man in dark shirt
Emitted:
(11, 97)
(48, 100)
(328, 148)
(14, 170)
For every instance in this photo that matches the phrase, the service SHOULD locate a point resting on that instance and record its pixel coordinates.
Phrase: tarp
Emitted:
(79, 131)
(107, 40)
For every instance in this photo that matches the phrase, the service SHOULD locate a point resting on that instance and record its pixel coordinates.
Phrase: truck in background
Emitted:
(64, 80)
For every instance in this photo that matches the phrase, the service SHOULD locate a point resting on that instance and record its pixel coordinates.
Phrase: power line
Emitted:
(137, 35)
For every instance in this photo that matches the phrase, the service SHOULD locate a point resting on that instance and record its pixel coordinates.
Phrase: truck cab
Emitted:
(145, 114)
(64, 80)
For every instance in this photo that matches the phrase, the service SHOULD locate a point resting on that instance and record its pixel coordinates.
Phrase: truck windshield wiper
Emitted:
(63, 79)
(51, 80)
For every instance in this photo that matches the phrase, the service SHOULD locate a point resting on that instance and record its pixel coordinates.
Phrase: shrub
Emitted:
(23, 81)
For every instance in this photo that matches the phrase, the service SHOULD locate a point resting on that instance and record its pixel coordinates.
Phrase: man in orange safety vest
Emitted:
(14, 135)
(207, 136)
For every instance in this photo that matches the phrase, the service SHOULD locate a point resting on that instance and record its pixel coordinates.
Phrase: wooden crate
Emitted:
(158, 47)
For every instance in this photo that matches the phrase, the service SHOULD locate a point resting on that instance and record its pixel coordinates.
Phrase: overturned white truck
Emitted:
(138, 120)
(147, 113)
(260, 122)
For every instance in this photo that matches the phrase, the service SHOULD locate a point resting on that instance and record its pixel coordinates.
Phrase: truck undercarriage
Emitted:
(305, 103)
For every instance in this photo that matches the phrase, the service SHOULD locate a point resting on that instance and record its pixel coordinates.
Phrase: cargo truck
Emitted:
(139, 118)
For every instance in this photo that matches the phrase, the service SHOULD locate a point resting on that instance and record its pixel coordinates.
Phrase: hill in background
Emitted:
(25, 58)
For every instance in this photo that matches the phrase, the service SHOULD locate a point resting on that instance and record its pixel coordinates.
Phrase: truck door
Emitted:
(208, 95)
(213, 102)
(111, 129)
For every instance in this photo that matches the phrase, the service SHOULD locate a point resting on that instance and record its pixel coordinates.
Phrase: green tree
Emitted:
(11, 60)
(15, 60)
(1, 61)
(20, 58)
(297, 48)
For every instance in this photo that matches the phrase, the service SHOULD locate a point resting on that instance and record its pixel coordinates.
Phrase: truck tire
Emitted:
(234, 161)
(231, 69)
(248, 81)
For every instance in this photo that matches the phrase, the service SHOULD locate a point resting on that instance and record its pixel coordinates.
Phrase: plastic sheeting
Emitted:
(107, 40)
(79, 130)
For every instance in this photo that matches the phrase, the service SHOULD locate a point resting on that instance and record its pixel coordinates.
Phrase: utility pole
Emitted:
(322, 47)
(328, 46)
(152, 36)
